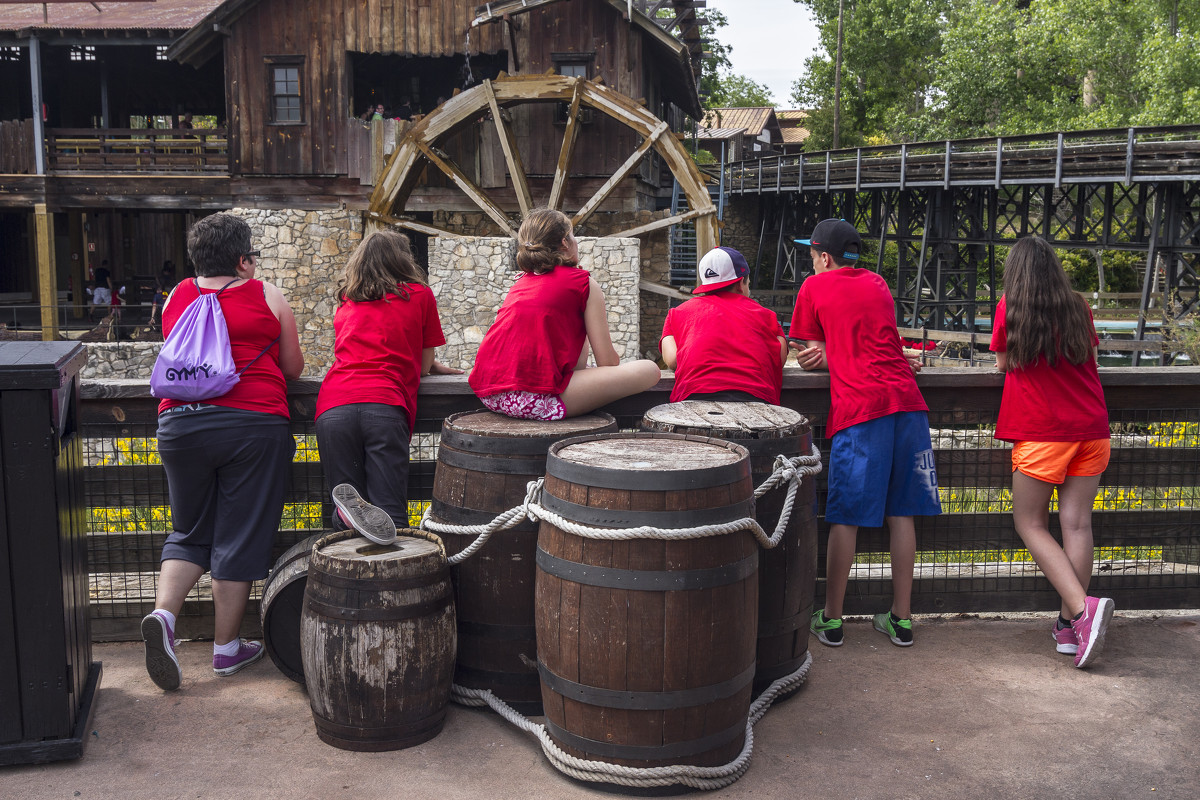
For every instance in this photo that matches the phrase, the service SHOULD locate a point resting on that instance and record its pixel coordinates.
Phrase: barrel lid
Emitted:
(724, 419)
(649, 461)
(490, 424)
(346, 548)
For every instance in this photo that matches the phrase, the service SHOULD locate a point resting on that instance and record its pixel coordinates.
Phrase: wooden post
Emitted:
(35, 84)
(47, 278)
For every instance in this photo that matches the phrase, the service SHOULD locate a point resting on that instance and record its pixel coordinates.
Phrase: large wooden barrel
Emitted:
(787, 573)
(485, 461)
(646, 646)
(281, 605)
(377, 634)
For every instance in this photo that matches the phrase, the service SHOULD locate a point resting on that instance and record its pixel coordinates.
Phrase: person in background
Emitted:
(721, 344)
(880, 457)
(164, 282)
(227, 459)
(532, 363)
(1054, 413)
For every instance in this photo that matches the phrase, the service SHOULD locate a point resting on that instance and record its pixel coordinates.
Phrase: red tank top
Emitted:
(252, 328)
(537, 337)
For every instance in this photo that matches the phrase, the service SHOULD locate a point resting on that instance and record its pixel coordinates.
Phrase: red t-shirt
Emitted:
(852, 311)
(535, 342)
(725, 341)
(1063, 403)
(252, 328)
(377, 351)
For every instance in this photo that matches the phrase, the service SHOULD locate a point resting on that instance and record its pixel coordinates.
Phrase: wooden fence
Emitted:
(970, 560)
(16, 148)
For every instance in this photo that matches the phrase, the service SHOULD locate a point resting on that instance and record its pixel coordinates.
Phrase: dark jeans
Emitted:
(366, 446)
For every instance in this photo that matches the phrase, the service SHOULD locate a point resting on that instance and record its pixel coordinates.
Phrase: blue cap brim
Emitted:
(804, 241)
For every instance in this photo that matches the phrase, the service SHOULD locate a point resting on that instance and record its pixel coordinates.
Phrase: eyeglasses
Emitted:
(252, 254)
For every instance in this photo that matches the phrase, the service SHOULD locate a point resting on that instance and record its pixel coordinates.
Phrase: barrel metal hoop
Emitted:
(368, 733)
(441, 512)
(635, 752)
(494, 632)
(624, 518)
(503, 463)
(381, 585)
(777, 627)
(648, 580)
(645, 701)
(396, 614)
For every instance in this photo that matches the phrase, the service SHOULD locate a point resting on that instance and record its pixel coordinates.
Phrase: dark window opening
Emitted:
(408, 87)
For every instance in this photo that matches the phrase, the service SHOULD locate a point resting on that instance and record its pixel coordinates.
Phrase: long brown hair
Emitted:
(1044, 316)
(380, 265)
(540, 241)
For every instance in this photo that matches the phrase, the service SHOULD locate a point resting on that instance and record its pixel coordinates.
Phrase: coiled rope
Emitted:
(793, 470)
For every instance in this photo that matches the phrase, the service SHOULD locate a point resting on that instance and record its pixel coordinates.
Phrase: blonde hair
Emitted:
(540, 241)
(380, 265)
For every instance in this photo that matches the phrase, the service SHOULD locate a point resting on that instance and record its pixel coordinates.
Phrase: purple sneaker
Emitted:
(247, 654)
(1090, 628)
(161, 662)
(1065, 639)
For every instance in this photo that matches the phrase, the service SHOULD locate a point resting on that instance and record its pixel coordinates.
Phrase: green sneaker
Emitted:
(828, 631)
(896, 629)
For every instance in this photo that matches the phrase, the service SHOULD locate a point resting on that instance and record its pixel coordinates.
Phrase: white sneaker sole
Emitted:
(226, 671)
(161, 663)
(371, 521)
(1095, 644)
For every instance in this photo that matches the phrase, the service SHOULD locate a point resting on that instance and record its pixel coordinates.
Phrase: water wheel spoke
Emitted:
(412, 225)
(451, 170)
(665, 222)
(621, 174)
(568, 149)
(512, 156)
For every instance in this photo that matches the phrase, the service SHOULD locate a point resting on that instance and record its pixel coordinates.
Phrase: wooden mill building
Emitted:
(275, 91)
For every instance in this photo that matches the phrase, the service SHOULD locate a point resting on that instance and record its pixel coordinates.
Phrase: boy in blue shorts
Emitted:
(881, 460)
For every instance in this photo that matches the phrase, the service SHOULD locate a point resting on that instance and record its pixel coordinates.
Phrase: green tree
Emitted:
(734, 91)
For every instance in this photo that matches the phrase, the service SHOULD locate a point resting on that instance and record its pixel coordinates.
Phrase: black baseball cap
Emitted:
(836, 237)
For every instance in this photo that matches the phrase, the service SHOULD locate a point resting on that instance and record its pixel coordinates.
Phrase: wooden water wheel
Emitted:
(424, 145)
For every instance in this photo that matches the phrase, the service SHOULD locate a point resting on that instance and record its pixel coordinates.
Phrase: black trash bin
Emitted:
(48, 681)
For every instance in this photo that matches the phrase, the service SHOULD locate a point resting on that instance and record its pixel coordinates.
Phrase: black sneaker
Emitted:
(371, 521)
(828, 631)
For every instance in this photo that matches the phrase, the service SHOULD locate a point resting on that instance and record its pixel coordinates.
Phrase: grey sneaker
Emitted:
(161, 662)
(371, 521)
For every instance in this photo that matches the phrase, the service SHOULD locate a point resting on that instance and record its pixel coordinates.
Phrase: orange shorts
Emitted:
(1054, 462)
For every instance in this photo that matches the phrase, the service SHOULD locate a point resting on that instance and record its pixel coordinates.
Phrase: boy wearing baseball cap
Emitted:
(721, 344)
(881, 460)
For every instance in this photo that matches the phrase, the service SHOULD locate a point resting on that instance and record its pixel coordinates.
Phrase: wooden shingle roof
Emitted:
(752, 120)
(104, 15)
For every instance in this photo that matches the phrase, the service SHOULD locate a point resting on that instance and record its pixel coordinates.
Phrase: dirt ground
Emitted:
(979, 708)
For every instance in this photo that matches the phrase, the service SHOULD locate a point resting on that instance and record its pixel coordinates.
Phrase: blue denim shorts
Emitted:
(882, 468)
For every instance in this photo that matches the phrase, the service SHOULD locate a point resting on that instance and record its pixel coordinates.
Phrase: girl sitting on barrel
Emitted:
(532, 363)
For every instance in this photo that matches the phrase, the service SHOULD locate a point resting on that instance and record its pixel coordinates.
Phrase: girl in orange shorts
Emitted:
(1053, 411)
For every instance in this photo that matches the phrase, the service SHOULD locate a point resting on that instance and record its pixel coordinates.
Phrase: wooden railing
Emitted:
(202, 150)
(1115, 155)
(1148, 517)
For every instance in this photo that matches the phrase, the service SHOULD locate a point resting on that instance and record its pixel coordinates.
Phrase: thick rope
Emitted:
(792, 470)
(604, 772)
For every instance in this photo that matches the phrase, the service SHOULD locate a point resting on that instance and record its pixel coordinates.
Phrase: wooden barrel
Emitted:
(787, 573)
(484, 462)
(646, 646)
(377, 634)
(280, 607)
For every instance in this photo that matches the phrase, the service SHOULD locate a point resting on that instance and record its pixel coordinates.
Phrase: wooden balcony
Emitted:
(131, 150)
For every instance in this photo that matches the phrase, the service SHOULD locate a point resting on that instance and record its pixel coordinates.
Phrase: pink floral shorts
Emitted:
(526, 405)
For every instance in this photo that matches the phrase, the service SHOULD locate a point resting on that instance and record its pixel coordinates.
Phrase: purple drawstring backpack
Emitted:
(196, 361)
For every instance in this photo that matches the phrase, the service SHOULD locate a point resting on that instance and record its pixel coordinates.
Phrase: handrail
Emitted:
(137, 149)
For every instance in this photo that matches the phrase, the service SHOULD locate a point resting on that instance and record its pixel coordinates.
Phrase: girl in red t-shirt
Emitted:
(385, 332)
(1053, 411)
(532, 361)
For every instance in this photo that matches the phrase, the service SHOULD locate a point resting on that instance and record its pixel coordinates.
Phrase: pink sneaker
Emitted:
(161, 662)
(247, 654)
(1065, 639)
(1090, 628)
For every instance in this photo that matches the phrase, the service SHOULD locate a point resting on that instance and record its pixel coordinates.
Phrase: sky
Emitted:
(770, 40)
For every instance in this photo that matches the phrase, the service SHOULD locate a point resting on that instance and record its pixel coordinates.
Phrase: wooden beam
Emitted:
(411, 224)
(665, 291)
(621, 174)
(451, 171)
(512, 156)
(665, 222)
(568, 148)
(47, 277)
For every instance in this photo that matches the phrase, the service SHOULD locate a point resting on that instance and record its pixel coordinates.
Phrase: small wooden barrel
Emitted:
(281, 605)
(485, 461)
(377, 635)
(788, 572)
(646, 646)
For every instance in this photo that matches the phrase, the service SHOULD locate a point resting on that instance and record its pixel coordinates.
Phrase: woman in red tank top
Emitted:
(532, 363)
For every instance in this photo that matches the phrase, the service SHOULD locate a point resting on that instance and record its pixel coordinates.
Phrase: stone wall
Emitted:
(470, 277)
(119, 360)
